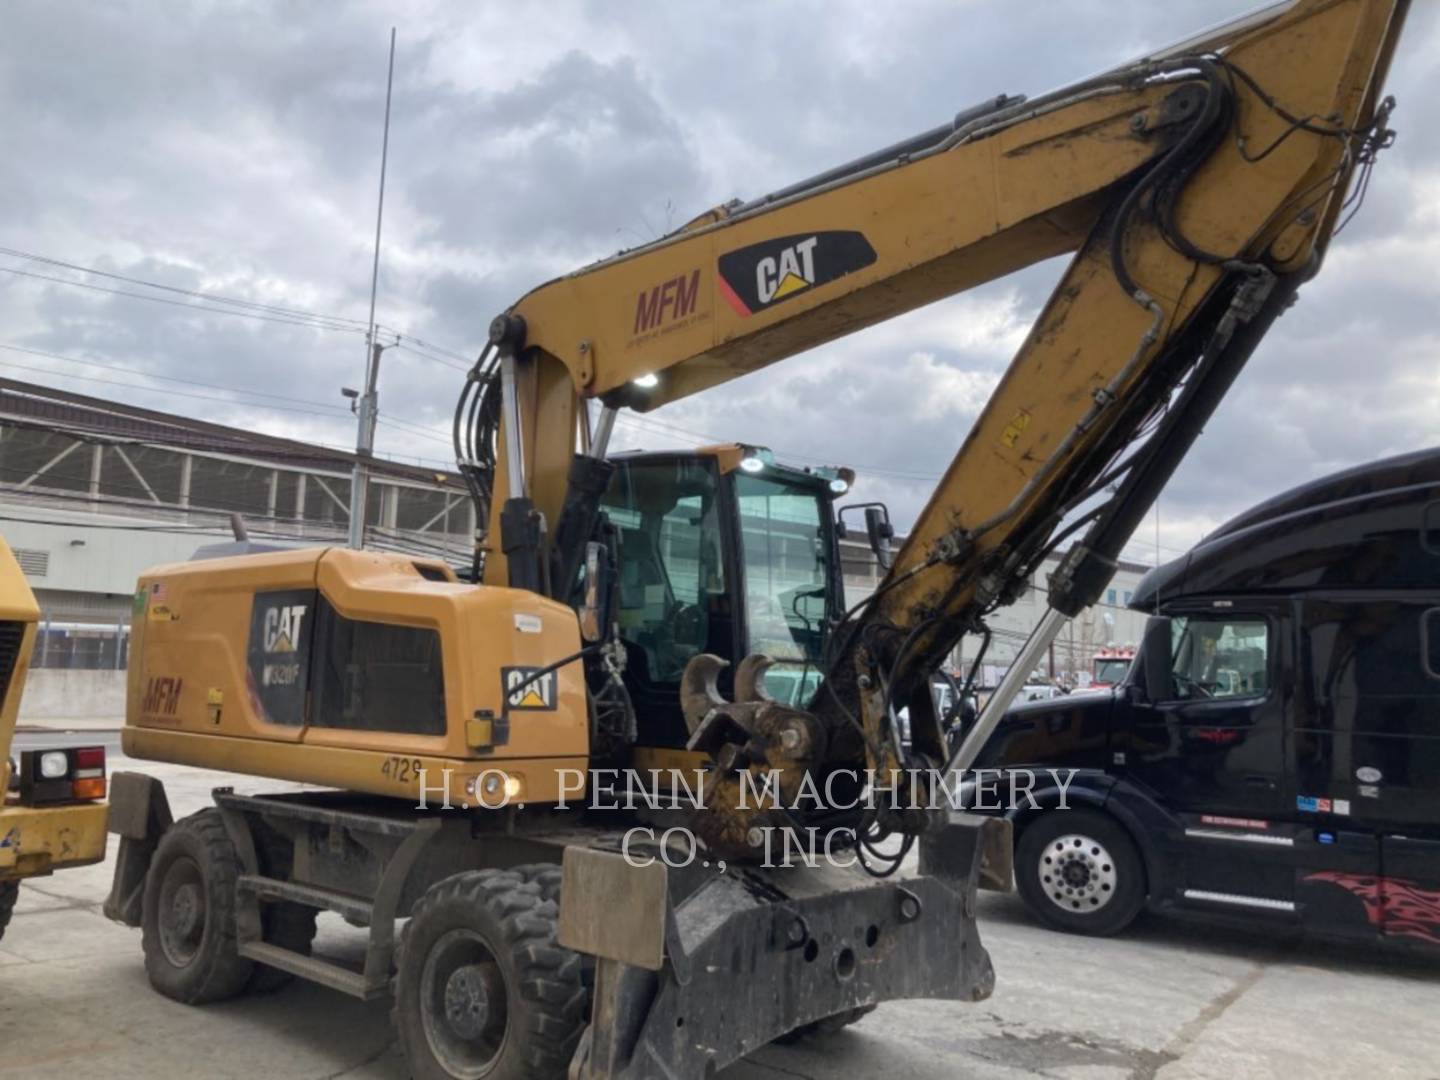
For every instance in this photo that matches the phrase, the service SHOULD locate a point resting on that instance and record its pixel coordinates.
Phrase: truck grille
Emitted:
(11, 635)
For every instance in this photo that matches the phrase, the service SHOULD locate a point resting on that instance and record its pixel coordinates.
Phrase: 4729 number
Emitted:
(401, 769)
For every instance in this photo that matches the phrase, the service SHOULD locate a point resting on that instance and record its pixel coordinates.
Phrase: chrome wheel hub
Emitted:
(1077, 874)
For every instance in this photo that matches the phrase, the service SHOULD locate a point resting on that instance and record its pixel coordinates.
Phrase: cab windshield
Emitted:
(1112, 671)
(786, 558)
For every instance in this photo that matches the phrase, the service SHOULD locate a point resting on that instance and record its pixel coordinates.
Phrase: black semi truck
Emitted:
(1274, 751)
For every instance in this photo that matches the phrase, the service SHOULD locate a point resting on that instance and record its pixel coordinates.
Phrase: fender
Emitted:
(1087, 787)
(1152, 827)
(139, 814)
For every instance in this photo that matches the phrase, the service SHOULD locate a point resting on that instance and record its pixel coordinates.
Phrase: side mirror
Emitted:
(880, 532)
(595, 613)
(1155, 659)
(878, 529)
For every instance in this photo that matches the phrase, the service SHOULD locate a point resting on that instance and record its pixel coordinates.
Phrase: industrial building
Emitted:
(93, 492)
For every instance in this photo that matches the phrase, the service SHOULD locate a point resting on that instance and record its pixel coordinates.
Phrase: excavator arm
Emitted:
(1196, 187)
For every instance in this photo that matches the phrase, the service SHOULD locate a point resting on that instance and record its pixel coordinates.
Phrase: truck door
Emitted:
(1366, 765)
(1211, 749)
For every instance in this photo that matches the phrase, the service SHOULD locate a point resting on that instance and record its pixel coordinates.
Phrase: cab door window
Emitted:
(1219, 657)
(672, 587)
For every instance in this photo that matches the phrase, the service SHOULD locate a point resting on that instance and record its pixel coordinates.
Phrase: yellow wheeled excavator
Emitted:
(680, 616)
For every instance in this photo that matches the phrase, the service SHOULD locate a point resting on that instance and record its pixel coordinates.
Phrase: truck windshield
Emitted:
(1111, 671)
(786, 559)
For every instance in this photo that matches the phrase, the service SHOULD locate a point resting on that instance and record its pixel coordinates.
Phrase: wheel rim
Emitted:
(182, 911)
(464, 1006)
(1077, 874)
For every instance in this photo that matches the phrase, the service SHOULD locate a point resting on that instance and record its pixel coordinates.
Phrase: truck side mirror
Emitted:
(1155, 659)
(880, 532)
(595, 611)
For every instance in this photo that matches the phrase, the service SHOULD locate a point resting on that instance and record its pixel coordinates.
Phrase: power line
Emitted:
(166, 378)
(156, 390)
(403, 343)
(411, 428)
(274, 309)
(246, 308)
(311, 324)
(410, 339)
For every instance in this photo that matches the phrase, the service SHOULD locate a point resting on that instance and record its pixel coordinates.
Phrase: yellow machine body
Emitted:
(33, 839)
(367, 671)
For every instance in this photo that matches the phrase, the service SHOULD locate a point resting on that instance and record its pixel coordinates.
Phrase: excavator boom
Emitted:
(1197, 188)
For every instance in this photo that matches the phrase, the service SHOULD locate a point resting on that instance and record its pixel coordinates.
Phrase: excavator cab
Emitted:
(720, 551)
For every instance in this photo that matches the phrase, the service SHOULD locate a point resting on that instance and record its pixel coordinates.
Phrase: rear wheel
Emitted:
(482, 988)
(1079, 871)
(188, 920)
(9, 893)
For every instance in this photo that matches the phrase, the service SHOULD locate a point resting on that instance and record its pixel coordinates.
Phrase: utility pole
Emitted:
(368, 399)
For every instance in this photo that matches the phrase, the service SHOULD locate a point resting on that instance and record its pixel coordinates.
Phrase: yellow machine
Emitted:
(52, 808)
(684, 611)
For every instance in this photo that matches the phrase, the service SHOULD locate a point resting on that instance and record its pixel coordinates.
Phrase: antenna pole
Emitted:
(366, 406)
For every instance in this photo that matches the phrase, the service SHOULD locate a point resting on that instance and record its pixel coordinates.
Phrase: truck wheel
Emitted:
(482, 988)
(1079, 871)
(9, 893)
(188, 920)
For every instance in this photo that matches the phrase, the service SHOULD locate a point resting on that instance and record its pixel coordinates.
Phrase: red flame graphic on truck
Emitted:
(1399, 908)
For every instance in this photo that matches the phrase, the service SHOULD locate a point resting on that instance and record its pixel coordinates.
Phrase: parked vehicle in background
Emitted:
(953, 716)
(52, 809)
(1273, 751)
(1109, 667)
(1039, 692)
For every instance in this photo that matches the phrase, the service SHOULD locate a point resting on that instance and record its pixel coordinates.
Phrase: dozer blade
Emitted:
(697, 967)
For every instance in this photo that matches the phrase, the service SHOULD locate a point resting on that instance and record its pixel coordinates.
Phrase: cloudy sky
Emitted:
(234, 149)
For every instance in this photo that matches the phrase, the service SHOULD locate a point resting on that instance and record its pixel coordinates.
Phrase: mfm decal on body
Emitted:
(762, 275)
(666, 306)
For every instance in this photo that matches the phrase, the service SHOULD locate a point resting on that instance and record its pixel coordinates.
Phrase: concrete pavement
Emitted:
(1170, 1000)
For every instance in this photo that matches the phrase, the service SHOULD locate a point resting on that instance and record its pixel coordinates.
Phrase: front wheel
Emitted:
(1079, 871)
(482, 988)
(188, 918)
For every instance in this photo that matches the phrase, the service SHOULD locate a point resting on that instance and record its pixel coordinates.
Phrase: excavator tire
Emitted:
(9, 892)
(482, 987)
(188, 920)
(546, 875)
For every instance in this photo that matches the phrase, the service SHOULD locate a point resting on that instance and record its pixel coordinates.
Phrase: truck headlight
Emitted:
(54, 764)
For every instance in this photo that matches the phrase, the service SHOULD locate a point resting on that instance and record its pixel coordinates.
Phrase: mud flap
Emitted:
(683, 989)
(139, 815)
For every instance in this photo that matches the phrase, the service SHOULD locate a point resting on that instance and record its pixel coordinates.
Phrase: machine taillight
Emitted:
(53, 776)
